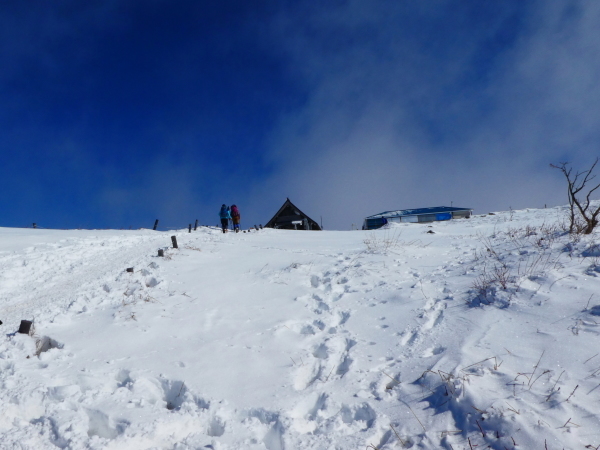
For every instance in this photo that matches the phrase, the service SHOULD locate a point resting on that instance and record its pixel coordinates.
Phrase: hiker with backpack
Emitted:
(235, 216)
(224, 215)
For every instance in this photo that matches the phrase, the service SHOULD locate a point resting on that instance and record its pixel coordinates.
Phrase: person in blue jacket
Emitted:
(225, 215)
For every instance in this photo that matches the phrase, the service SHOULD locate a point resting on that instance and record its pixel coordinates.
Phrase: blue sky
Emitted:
(115, 113)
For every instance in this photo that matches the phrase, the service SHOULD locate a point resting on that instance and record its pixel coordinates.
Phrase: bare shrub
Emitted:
(583, 218)
(382, 242)
(500, 274)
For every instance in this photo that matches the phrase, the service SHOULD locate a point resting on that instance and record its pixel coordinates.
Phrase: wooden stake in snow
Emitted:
(129, 269)
(155, 224)
(190, 228)
(25, 326)
(161, 253)
(174, 240)
(196, 225)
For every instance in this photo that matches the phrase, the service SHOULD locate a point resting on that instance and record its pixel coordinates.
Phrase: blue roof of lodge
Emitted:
(419, 211)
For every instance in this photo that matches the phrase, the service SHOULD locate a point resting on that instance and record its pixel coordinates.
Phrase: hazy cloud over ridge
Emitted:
(424, 104)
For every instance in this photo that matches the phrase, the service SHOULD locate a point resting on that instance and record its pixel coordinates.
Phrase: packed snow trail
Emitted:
(49, 277)
(296, 340)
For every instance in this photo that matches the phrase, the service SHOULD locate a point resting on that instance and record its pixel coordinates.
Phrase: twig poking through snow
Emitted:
(561, 278)
(511, 408)
(330, 373)
(588, 303)
(572, 394)
(557, 380)
(480, 429)
(413, 413)
(540, 376)
(398, 436)
(535, 368)
(572, 423)
(594, 389)
(422, 291)
(391, 378)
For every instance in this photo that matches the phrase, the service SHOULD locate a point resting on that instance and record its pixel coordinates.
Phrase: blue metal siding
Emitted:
(372, 224)
(421, 211)
(437, 213)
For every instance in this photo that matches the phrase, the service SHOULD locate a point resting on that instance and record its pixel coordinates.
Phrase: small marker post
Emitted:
(174, 241)
(25, 327)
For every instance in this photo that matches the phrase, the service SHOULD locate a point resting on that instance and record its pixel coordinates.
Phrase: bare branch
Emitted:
(575, 185)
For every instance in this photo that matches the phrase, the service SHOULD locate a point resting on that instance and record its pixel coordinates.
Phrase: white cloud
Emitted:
(410, 125)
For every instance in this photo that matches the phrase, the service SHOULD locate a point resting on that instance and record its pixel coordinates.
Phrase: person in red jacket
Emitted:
(235, 217)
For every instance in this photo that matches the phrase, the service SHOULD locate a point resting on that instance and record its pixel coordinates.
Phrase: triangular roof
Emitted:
(289, 213)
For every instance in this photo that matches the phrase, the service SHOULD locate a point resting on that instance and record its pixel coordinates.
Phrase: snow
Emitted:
(477, 332)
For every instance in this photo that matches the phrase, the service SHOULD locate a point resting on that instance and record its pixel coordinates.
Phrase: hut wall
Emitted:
(461, 214)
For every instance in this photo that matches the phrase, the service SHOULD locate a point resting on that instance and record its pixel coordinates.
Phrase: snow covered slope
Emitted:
(479, 333)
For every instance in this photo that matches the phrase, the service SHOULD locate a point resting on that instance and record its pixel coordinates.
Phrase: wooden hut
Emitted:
(289, 217)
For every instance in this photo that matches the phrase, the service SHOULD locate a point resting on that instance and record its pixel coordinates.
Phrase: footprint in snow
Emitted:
(409, 337)
(321, 307)
(273, 438)
(103, 426)
(344, 366)
(362, 415)
(308, 412)
(321, 351)
(432, 351)
(315, 281)
(433, 319)
(342, 317)
(216, 427)
(307, 373)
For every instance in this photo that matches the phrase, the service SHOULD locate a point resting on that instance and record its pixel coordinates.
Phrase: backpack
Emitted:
(235, 211)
